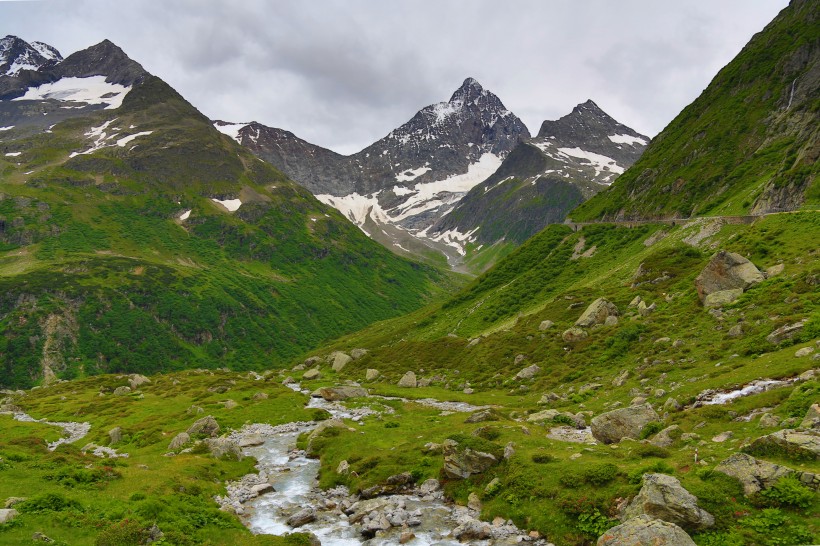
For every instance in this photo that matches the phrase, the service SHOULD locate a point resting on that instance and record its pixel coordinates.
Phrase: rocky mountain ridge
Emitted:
(433, 185)
(17, 55)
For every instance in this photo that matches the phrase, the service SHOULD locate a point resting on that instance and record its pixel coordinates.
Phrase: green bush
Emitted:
(788, 491)
(600, 474)
(649, 450)
(593, 523)
(542, 458)
(49, 502)
(127, 532)
(650, 429)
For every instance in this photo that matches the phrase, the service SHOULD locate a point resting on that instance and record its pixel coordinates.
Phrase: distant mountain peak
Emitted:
(469, 91)
(17, 55)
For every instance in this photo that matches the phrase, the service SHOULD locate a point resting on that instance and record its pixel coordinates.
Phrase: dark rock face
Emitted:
(103, 59)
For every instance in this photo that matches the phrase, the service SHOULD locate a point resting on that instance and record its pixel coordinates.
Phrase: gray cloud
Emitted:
(344, 73)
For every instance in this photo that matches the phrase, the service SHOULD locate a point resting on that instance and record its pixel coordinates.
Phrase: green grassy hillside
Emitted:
(100, 274)
(749, 143)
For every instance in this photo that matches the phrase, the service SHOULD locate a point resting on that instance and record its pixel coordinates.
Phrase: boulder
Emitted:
(612, 426)
(645, 531)
(528, 372)
(302, 517)
(727, 271)
(311, 361)
(429, 486)
(812, 418)
(343, 467)
(611, 320)
(261, 489)
(793, 444)
(264, 395)
(752, 473)
(223, 447)
(672, 404)
(663, 497)
(333, 394)
(722, 297)
(787, 331)
(597, 313)
(356, 354)
(136, 380)
(735, 331)
(408, 380)
(121, 391)
(474, 502)
(635, 301)
(12, 501)
(115, 435)
(546, 325)
(338, 360)
(620, 379)
(646, 310)
(574, 334)
(207, 426)
(230, 404)
(666, 437)
(311, 374)
(482, 416)
(179, 440)
(8, 514)
(371, 374)
(251, 440)
(774, 270)
(462, 462)
(472, 529)
(768, 420)
(805, 351)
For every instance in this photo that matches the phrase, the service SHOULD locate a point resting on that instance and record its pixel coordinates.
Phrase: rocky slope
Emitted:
(748, 144)
(17, 55)
(136, 237)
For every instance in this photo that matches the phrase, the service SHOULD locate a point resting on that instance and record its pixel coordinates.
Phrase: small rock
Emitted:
(529, 372)
(768, 420)
(672, 404)
(406, 536)
(805, 351)
(546, 325)
(721, 298)
(812, 418)
(230, 404)
(408, 380)
(264, 395)
(207, 426)
(338, 360)
(251, 440)
(473, 502)
(597, 313)
(574, 334)
(121, 391)
(774, 270)
(735, 331)
(371, 374)
(645, 531)
(723, 436)
(302, 517)
(261, 488)
(343, 468)
(312, 374)
(356, 354)
(621, 378)
(115, 435)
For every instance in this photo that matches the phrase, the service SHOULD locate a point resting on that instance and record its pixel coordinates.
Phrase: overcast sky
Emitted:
(342, 74)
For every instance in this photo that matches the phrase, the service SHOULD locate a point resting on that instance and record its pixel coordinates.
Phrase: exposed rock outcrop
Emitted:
(462, 462)
(613, 426)
(727, 271)
(597, 313)
(645, 531)
(663, 497)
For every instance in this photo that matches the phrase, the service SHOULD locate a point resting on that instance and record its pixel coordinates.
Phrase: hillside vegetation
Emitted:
(748, 144)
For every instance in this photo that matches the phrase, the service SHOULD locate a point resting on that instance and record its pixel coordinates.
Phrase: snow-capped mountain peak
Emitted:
(17, 55)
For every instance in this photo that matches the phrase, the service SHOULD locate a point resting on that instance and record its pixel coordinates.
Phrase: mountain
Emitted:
(545, 177)
(17, 55)
(400, 185)
(134, 237)
(748, 144)
(460, 176)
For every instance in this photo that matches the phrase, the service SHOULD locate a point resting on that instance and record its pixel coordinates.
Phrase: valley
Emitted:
(220, 333)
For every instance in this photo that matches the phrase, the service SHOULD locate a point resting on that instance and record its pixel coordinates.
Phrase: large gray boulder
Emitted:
(613, 426)
(302, 517)
(461, 462)
(338, 360)
(207, 426)
(793, 444)
(333, 394)
(223, 447)
(812, 418)
(727, 271)
(787, 331)
(7, 514)
(574, 334)
(752, 473)
(722, 297)
(137, 380)
(645, 531)
(179, 440)
(597, 313)
(311, 374)
(663, 497)
(528, 372)
(408, 380)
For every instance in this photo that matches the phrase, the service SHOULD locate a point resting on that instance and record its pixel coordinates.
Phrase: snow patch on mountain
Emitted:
(90, 90)
(627, 139)
(125, 140)
(600, 162)
(411, 174)
(231, 129)
(231, 204)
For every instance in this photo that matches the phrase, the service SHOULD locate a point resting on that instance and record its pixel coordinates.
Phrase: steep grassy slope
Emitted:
(471, 348)
(749, 143)
(117, 258)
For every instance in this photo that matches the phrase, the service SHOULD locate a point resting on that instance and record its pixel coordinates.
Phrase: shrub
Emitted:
(788, 491)
(649, 450)
(391, 424)
(593, 523)
(127, 532)
(660, 467)
(650, 429)
(600, 474)
(49, 502)
(562, 419)
(542, 458)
